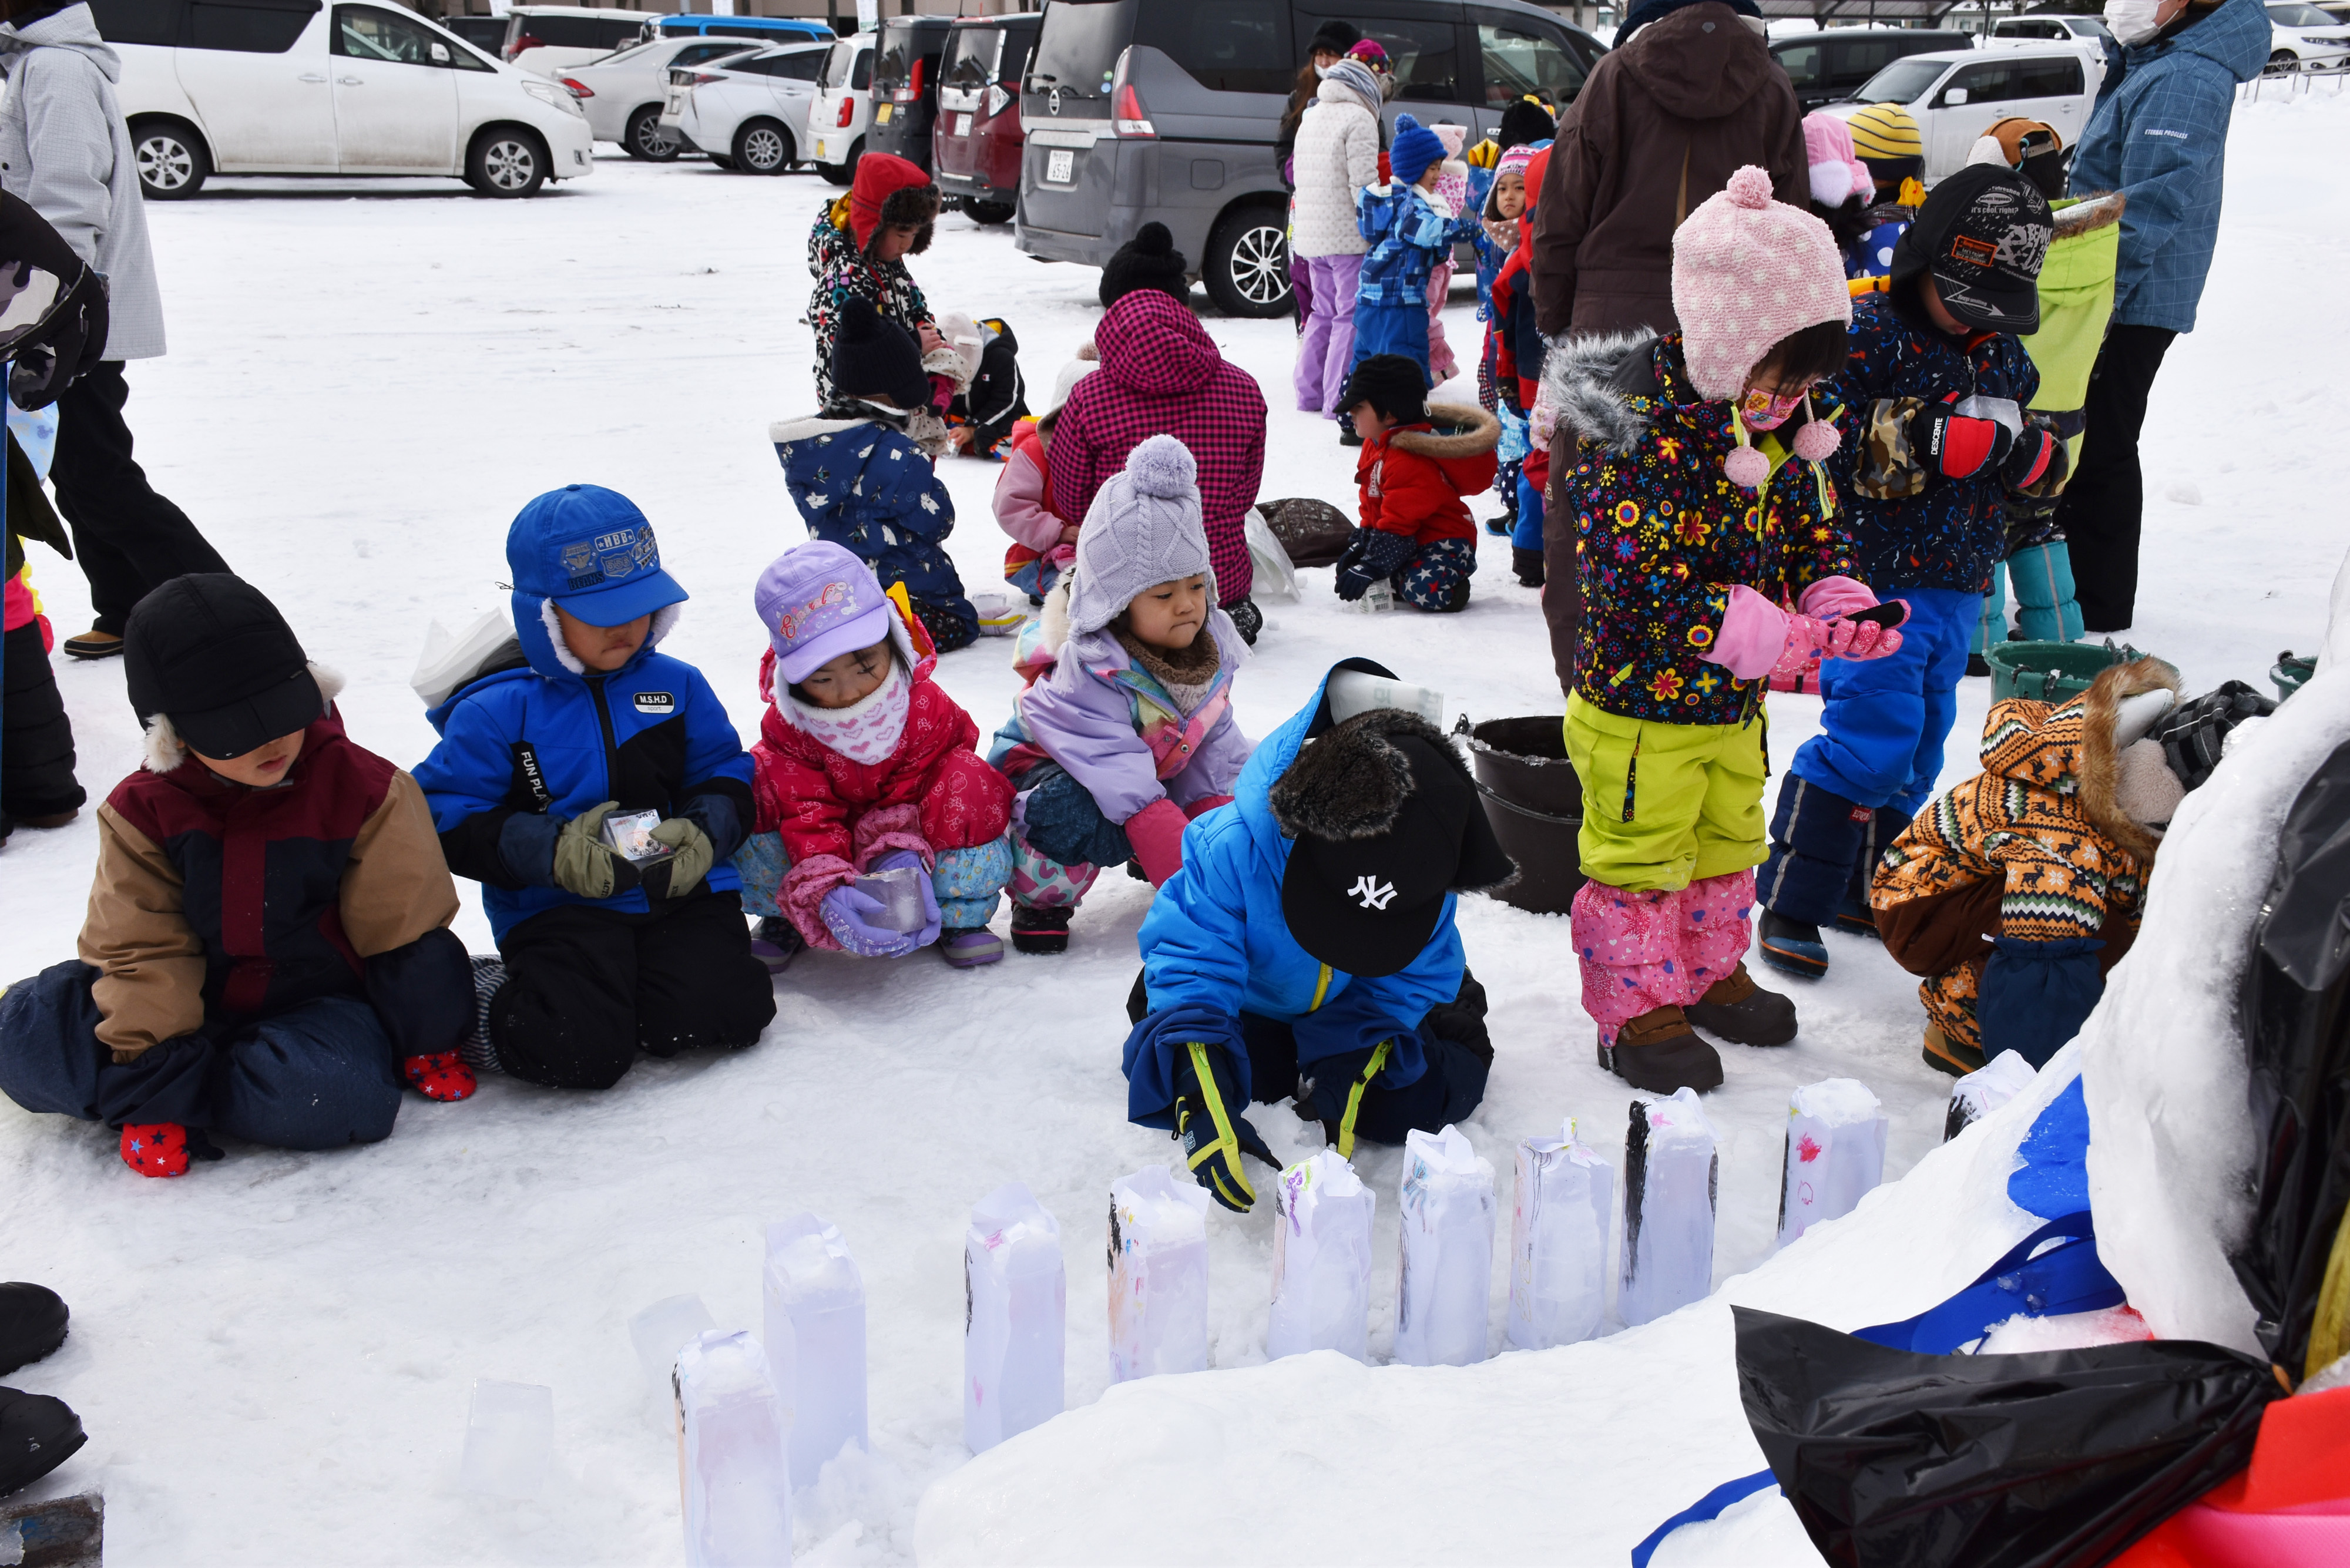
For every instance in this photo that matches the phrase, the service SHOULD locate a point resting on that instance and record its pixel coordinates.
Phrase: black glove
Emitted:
(1372, 556)
(1955, 445)
(2038, 458)
(1214, 1136)
(58, 306)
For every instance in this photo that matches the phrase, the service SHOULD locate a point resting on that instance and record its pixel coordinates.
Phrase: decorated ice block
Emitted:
(1836, 1154)
(1015, 1318)
(1321, 1260)
(734, 1467)
(1445, 1283)
(1157, 1274)
(1669, 1170)
(509, 1438)
(815, 1339)
(660, 1331)
(1986, 1089)
(1558, 1241)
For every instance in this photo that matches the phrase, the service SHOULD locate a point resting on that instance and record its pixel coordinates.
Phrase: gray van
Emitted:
(1168, 109)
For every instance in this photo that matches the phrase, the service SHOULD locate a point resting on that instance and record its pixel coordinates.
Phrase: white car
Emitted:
(547, 38)
(2048, 28)
(749, 114)
(1956, 95)
(623, 93)
(311, 89)
(843, 109)
(2304, 38)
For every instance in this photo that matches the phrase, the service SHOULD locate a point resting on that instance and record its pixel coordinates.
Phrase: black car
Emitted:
(905, 86)
(1830, 66)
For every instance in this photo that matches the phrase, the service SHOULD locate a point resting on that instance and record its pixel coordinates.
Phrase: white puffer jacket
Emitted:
(1338, 155)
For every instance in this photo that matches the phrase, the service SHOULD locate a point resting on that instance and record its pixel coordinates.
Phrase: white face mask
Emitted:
(2133, 21)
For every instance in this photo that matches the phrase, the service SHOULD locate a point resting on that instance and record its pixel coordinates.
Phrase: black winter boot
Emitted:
(1040, 930)
(1247, 620)
(38, 1434)
(1793, 947)
(1528, 565)
(32, 1323)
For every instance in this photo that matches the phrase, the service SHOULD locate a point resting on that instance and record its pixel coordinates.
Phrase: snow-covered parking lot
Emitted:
(272, 1355)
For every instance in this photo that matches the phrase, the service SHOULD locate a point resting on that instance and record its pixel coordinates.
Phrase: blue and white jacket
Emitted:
(869, 486)
(524, 750)
(1410, 232)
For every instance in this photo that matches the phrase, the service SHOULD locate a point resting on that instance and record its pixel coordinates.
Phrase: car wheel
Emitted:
(645, 137)
(506, 162)
(988, 211)
(763, 146)
(172, 164)
(2284, 60)
(856, 156)
(1247, 265)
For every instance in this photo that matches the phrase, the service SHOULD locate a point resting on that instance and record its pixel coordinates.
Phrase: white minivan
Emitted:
(302, 87)
(1956, 95)
(843, 109)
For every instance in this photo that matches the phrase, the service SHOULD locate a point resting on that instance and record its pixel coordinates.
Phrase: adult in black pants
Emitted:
(2103, 505)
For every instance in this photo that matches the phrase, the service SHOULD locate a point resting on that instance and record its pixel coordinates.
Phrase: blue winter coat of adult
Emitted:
(524, 751)
(2161, 139)
(869, 488)
(1216, 945)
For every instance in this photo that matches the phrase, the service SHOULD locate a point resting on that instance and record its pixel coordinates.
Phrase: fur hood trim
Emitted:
(1349, 783)
(161, 750)
(663, 619)
(2101, 758)
(1475, 433)
(2090, 213)
(1578, 380)
(908, 206)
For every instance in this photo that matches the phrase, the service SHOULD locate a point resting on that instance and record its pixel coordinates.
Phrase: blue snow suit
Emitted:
(2161, 138)
(524, 751)
(1215, 946)
(864, 485)
(1409, 234)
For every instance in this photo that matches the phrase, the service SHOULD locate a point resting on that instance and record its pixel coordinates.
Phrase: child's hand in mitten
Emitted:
(857, 922)
(932, 919)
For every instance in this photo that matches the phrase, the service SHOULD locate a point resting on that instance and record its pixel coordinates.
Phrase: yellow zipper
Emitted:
(1321, 989)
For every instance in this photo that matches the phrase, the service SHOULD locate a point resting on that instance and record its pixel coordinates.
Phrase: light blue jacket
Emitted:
(2161, 139)
(1216, 945)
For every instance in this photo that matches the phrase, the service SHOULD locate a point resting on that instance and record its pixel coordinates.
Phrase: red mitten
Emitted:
(155, 1148)
(440, 1075)
(1156, 835)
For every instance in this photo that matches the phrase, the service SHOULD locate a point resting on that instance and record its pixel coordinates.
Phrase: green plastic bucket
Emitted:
(2049, 672)
(2288, 672)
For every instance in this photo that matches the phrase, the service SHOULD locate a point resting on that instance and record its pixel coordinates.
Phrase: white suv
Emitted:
(843, 109)
(2304, 38)
(624, 91)
(304, 88)
(1956, 95)
(750, 112)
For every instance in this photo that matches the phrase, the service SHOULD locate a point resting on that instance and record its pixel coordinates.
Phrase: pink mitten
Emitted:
(1831, 596)
(1752, 636)
(1156, 834)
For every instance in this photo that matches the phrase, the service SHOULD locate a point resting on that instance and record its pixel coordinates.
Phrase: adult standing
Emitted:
(1667, 118)
(65, 149)
(2160, 139)
(1338, 155)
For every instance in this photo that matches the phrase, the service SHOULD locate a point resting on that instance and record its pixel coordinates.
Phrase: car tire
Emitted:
(1247, 264)
(856, 156)
(645, 139)
(763, 146)
(987, 211)
(172, 161)
(507, 162)
(835, 173)
(2280, 62)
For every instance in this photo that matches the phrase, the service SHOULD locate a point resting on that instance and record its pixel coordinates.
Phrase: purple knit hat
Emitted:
(819, 601)
(1749, 271)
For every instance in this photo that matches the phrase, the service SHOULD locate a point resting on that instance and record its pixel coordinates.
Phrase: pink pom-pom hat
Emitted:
(1749, 271)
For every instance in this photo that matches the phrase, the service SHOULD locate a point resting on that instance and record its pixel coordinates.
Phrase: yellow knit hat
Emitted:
(1886, 130)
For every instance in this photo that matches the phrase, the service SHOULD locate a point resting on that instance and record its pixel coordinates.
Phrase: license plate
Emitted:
(819, 146)
(881, 115)
(1061, 166)
(961, 126)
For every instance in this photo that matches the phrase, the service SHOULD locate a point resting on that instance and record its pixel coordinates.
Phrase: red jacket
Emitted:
(1412, 479)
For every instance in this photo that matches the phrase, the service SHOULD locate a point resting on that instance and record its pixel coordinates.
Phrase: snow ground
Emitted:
(272, 1355)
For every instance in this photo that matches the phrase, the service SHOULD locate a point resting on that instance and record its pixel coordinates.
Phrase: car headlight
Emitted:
(548, 93)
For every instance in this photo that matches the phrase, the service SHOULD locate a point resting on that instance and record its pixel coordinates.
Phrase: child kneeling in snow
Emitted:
(267, 951)
(2015, 893)
(861, 470)
(864, 764)
(1416, 534)
(1308, 949)
(1125, 730)
(603, 951)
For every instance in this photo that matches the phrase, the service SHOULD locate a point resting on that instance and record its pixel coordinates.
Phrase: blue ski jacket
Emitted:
(868, 487)
(1409, 234)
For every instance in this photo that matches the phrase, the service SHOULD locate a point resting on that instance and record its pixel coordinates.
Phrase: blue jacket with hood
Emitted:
(1216, 945)
(2161, 138)
(525, 750)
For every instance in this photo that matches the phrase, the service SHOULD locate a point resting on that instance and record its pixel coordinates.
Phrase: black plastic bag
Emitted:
(2296, 1023)
(1991, 1461)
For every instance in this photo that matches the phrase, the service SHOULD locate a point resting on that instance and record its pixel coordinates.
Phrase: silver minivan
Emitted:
(1135, 110)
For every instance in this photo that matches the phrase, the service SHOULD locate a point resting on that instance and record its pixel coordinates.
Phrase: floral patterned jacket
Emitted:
(840, 271)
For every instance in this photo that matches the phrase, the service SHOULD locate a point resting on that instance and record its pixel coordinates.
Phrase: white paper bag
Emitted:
(814, 1324)
(1015, 1318)
(1157, 1274)
(1670, 1173)
(1835, 1156)
(733, 1471)
(1445, 1280)
(1321, 1260)
(1559, 1241)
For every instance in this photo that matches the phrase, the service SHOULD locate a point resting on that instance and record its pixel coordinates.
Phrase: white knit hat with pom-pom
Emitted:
(1749, 271)
(1143, 529)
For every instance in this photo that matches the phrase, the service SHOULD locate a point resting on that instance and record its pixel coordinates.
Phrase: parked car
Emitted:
(843, 109)
(1134, 110)
(1958, 95)
(760, 29)
(905, 86)
(487, 34)
(975, 145)
(301, 87)
(2051, 27)
(624, 92)
(748, 112)
(1828, 66)
(2304, 38)
(545, 39)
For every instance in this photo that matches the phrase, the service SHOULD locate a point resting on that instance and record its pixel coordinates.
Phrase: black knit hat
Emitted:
(1982, 233)
(1393, 385)
(874, 357)
(211, 653)
(1334, 35)
(1149, 260)
(1524, 122)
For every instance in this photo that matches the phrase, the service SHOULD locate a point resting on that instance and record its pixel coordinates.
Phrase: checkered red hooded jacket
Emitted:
(1161, 375)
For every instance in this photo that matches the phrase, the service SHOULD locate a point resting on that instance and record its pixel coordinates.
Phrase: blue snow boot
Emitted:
(1793, 947)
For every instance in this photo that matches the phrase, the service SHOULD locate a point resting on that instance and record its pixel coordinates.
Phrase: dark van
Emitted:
(975, 146)
(905, 86)
(1168, 109)
(1830, 66)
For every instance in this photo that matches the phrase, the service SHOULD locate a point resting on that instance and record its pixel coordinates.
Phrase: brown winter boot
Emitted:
(1742, 1012)
(1659, 1053)
(1945, 1054)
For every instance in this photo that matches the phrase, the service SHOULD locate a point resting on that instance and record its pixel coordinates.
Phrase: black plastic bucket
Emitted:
(1534, 802)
